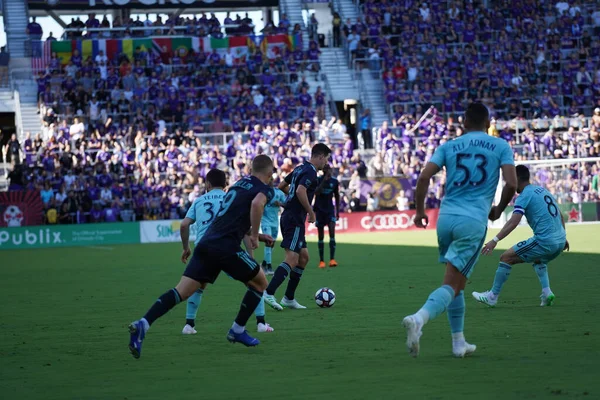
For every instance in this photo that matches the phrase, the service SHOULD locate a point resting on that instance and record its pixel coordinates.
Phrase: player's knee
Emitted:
(509, 257)
(259, 282)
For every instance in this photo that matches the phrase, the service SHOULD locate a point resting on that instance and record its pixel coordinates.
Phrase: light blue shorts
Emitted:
(538, 251)
(460, 240)
(271, 230)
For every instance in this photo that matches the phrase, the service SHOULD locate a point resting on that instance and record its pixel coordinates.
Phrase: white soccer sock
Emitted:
(145, 323)
(458, 337)
(422, 316)
(238, 328)
(546, 291)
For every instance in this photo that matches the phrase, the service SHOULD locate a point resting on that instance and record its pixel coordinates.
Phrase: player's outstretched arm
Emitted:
(184, 233)
(256, 212)
(430, 170)
(506, 230)
(509, 173)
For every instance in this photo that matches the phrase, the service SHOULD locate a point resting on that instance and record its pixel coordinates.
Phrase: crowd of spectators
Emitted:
(126, 139)
(522, 58)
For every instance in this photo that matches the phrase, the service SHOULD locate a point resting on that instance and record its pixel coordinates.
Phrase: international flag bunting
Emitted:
(240, 46)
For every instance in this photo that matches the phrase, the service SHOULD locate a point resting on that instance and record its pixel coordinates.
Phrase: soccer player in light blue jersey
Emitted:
(548, 241)
(473, 162)
(202, 213)
(270, 226)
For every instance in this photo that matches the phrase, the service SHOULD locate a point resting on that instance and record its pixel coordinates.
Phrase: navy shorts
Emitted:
(207, 263)
(324, 218)
(293, 232)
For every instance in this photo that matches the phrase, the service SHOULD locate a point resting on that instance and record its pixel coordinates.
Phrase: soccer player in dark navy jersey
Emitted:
(300, 186)
(220, 250)
(326, 213)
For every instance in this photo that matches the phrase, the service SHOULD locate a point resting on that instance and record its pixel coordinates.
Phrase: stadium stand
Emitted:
(131, 136)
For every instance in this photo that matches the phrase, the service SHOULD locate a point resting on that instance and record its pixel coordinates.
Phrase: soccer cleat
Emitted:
(413, 334)
(272, 301)
(547, 301)
(462, 348)
(486, 297)
(333, 263)
(291, 304)
(188, 330)
(322, 264)
(243, 338)
(269, 270)
(264, 328)
(263, 266)
(137, 332)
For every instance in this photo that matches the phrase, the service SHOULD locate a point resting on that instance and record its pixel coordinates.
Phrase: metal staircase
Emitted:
(293, 9)
(333, 64)
(16, 17)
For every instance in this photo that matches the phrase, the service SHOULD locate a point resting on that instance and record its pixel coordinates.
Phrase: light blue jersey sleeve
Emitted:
(203, 211)
(473, 162)
(542, 213)
(439, 157)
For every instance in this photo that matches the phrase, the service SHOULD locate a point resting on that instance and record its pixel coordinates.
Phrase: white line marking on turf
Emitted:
(100, 248)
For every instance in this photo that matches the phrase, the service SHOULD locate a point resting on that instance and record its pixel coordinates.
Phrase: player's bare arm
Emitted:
(506, 230)
(421, 219)
(509, 174)
(303, 199)
(336, 195)
(256, 212)
(284, 186)
(184, 233)
(562, 221)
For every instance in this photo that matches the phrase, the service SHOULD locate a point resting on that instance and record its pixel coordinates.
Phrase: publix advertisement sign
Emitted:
(68, 235)
(163, 231)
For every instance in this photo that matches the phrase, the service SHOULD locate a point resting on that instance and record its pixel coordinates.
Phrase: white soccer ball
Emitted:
(325, 297)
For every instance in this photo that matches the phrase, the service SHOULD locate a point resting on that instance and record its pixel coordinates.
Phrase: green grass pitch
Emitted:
(64, 314)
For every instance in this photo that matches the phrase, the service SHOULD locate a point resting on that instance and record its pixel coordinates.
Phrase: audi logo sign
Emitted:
(379, 221)
(387, 221)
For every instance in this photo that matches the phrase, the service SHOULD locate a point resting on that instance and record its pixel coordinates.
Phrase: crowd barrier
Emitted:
(167, 231)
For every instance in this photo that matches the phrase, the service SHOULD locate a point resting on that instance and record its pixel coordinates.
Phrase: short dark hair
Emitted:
(320, 149)
(262, 163)
(477, 116)
(522, 173)
(216, 178)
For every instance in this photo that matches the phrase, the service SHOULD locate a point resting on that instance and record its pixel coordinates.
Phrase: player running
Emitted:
(302, 184)
(270, 226)
(202, 213)
(472, 163)
(220, 250)
(326, 213)
(548, 241)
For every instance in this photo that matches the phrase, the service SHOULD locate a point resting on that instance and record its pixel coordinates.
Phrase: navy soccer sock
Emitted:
(321, 250)
(293, 282)
(280, 274)
(249, 303)
(163, 304)
(332, 248)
